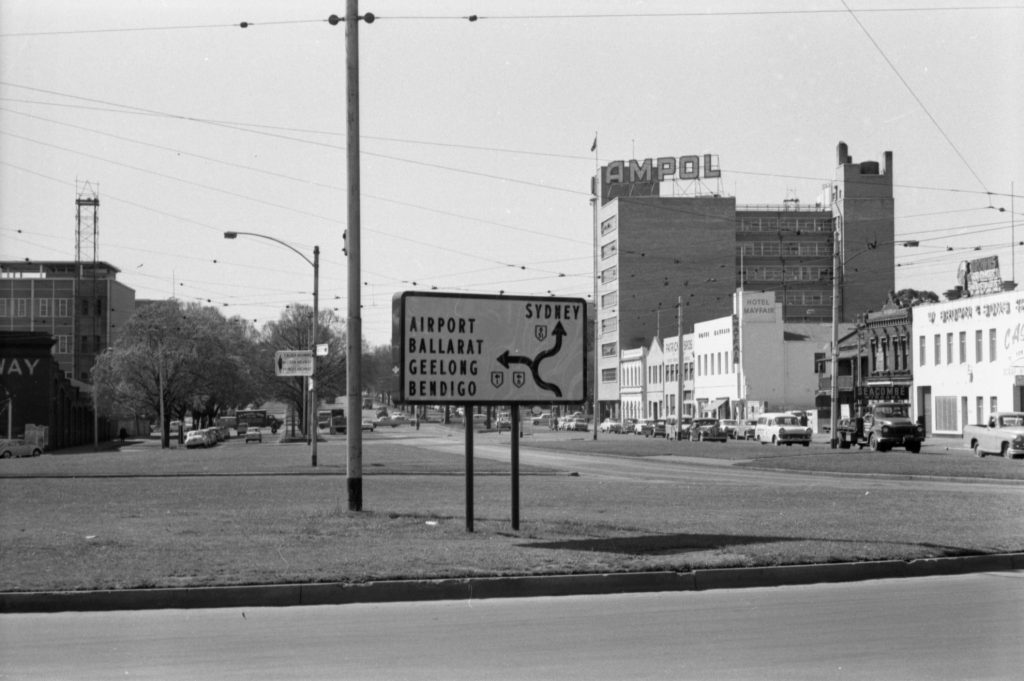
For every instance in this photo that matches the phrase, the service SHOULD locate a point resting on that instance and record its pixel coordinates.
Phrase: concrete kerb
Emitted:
(336, 593)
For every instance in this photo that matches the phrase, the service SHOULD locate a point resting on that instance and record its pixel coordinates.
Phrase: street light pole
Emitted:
(315, 404)
(315, 264)
(834, 388)
(354, 335)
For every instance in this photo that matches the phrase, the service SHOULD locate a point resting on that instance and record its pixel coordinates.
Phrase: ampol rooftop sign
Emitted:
(474, 349)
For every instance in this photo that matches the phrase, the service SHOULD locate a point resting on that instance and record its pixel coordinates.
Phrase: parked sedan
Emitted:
(707, 429)
(610, 426)
(367, 424)
(253, 435)
(730, 427)
(746, 429)
(196, 438)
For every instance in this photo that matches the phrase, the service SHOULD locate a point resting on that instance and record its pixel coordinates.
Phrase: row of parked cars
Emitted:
(771, 428)
(208, 437)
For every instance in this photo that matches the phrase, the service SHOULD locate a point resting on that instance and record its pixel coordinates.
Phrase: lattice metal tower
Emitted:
(87, 213)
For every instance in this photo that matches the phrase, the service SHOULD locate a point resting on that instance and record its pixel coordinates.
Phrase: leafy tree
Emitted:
(377, 372)
(910, 297)
(199, 357)
(156, 349)
(293, 331)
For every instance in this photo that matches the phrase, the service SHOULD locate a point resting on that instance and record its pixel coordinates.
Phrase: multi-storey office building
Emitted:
(653, 251)
(82, 305)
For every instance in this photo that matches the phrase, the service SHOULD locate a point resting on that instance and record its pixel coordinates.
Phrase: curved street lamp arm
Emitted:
(232, 235)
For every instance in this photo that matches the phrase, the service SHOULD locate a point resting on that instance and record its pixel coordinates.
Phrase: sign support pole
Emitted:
(468, 411)
(354, 331)
(515, 467)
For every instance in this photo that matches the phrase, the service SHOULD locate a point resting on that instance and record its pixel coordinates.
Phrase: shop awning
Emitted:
(715, 405)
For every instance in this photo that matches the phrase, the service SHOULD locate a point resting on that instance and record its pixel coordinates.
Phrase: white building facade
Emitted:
(969, 360)
(736, 366)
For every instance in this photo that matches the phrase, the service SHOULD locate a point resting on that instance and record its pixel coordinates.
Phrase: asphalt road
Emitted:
(962, 627)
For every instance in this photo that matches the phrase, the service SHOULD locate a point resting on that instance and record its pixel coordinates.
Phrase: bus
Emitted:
(257, 418)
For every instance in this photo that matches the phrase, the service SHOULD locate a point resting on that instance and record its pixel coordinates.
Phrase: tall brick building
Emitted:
(651, 250)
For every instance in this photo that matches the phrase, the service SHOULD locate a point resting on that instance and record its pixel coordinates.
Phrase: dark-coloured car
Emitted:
(707, 429)
(659, 428)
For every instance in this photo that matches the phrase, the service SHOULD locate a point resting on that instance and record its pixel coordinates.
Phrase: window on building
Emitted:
(97, 343)
(609, 325)
(963, 347)
(609, 274)
(609, 225)
(99, 307)
(62, 307)
(949, 348)
(609, 349)
(609, 249)
(44, 307)
(993, 405)
(610, 299)
(991, 345)
(979, 346)
(62, 344)
(938, 350)
(945, 413)
(4, 312)
(84, 346)
(921, 346)
(608, 375)
(20, 307)
(85, 306)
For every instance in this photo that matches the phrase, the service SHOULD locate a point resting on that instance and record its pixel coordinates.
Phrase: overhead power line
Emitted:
(473, 18)
(913, 94)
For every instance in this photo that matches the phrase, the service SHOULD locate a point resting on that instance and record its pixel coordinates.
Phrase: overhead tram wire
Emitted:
(248, 127)
(913, 94)
(473, 18)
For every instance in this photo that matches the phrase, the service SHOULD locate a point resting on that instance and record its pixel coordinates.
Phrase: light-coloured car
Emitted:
(18, 447)
(781, 429)
(254, 435)
(730, 426)
(643, 426)
(367, 424)
(196, 438)
(610, 426)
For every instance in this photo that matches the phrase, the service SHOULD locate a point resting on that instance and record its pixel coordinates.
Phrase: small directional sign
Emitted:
(293, 363)
(473, 349)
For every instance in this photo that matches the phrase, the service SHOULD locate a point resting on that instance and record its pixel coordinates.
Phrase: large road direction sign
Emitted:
(293, 363)
(474, 349)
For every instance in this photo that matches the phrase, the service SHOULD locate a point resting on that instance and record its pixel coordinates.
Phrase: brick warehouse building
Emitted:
(651, 250)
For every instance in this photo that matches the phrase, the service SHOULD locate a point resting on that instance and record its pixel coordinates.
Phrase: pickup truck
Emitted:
(888, 425)
(1002, 435)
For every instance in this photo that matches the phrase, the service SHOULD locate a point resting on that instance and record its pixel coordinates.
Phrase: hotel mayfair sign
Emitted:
(661, 169)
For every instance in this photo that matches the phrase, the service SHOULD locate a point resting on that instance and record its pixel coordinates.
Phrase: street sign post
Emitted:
(293, 363)
(450, 348)
(476, 349)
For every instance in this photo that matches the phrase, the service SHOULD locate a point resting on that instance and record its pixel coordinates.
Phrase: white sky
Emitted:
(476, 135)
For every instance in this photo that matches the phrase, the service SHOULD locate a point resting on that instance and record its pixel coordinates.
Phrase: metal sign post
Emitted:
(492, 350)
